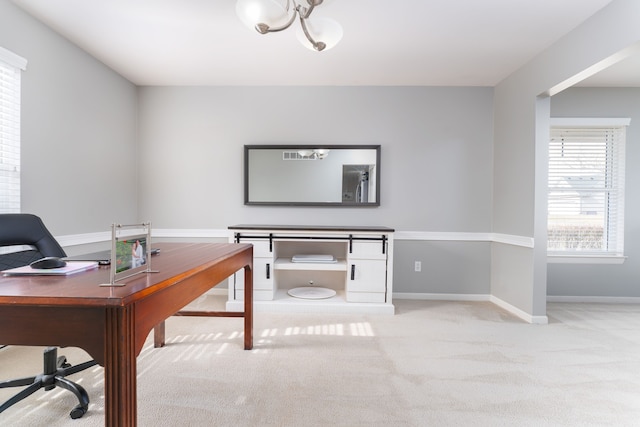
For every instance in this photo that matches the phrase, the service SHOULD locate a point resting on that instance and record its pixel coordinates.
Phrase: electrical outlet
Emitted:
(418, 266)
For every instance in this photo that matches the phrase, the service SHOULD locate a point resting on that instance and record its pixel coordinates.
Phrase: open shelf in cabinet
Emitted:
(287, 264)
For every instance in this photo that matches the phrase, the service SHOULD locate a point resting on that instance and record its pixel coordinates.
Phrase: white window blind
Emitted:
(10, 69)
(586, 190)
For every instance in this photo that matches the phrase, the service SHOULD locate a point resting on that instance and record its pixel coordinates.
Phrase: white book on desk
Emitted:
(72, 267)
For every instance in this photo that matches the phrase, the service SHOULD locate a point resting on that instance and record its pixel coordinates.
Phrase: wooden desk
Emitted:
(112, 323)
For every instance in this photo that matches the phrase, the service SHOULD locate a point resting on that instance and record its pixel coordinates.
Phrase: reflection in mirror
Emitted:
(295, 175)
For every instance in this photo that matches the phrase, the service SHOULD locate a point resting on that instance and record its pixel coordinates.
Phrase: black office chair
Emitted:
(29, 230)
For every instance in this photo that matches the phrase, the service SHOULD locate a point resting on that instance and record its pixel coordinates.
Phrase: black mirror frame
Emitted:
(311, 147)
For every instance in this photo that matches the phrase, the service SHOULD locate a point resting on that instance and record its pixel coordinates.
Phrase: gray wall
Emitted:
(436, 152)
(436, 164)
(449, 269)
(597, 279)
(519, 277)
(78, 131)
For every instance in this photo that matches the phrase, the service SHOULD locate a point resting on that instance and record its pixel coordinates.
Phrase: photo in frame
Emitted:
(131, 253)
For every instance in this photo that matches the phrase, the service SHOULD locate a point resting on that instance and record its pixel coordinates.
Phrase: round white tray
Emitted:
(311, 292)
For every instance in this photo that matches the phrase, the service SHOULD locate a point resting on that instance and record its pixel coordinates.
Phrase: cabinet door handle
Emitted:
(268, 271)
(353, 272)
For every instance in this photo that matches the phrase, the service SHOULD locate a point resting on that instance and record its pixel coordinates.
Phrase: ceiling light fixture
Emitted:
(270, 16)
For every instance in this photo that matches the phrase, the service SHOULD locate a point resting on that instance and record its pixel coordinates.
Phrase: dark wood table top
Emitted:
(82, 289)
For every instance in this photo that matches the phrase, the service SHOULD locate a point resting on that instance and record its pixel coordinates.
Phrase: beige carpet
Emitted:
(432, 364)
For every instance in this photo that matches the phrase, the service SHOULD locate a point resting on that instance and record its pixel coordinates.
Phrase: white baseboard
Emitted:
(594, 299)
(539, 320)
(536, 320)
(440, 297)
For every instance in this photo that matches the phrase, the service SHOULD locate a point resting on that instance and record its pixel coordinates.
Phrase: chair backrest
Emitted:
(26, 229)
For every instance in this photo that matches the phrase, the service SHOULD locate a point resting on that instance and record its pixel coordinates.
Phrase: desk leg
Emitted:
(248, 307)
(158, 335)
(120, 386)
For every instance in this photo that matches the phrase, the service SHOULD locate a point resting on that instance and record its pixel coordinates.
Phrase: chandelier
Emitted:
(270, 16)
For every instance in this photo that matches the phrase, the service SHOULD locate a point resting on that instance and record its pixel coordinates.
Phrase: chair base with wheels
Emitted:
(53, 375)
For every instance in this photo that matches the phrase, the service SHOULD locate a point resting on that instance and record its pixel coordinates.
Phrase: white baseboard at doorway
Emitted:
(440, 297)
(594, 299)
(536, 320)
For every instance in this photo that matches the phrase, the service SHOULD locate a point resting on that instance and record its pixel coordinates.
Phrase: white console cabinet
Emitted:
(361, 275)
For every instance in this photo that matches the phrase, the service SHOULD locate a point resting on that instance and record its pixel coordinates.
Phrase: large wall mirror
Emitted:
(312, 175)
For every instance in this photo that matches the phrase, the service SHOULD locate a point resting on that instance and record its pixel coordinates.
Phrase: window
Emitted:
(586, 187)
(10, 69)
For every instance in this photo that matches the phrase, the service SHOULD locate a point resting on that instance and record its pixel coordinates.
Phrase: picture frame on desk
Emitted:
(130, 252)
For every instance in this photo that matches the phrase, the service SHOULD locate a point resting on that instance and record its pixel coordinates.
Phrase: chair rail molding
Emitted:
(509, 239)
(88, 238)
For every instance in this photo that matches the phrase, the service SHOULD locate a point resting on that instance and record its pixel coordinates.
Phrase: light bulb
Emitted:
(321, 29)
(253, 12)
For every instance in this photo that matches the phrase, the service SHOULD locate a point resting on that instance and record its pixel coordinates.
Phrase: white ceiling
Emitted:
(408, 42)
